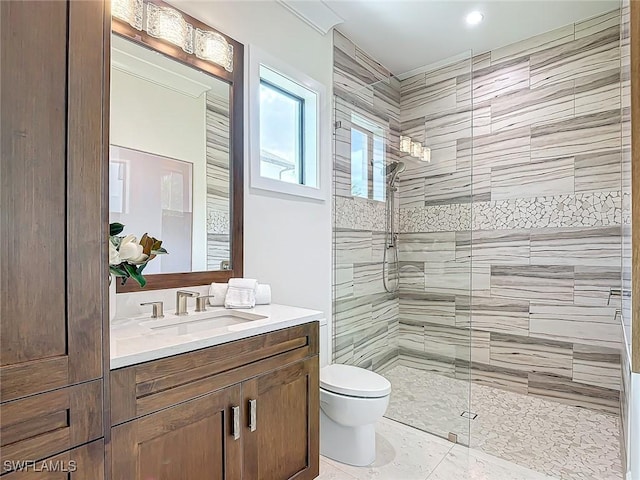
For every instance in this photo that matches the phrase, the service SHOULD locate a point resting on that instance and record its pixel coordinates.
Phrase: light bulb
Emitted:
(405, 144)
(131, 11)
(426, 155)
(474, 18)
(416, 149)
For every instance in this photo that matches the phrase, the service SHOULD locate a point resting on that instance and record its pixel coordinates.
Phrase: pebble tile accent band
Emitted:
(579, 210)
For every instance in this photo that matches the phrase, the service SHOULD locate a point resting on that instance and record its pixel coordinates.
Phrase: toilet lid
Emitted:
(353, 381)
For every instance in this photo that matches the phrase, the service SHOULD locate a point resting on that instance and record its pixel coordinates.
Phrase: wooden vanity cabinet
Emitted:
(192, 440)
(281, 423)
(247, 409)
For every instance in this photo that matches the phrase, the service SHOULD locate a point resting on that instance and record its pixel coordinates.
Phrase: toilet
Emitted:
(352, 400)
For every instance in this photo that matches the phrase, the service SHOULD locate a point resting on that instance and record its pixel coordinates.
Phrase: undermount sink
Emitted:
(185, 325)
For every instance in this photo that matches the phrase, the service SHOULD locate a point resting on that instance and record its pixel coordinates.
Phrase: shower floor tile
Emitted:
(559, 440)
(428, 401)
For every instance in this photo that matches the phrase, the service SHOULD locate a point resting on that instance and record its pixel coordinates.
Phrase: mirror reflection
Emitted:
(169, 167)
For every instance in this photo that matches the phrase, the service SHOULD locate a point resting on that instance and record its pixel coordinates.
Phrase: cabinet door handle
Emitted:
(253, 415)
(236, 422)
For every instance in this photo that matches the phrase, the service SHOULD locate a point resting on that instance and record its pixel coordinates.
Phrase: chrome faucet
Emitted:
(158, 311)
(202, 302)
(181, 301)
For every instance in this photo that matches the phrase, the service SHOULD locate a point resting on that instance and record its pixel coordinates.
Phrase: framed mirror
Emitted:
(176, 142)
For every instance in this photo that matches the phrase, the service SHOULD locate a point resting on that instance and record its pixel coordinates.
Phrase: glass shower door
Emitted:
(407, 319)
(430, 378)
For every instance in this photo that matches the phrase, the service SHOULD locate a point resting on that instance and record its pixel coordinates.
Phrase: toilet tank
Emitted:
(325, 343)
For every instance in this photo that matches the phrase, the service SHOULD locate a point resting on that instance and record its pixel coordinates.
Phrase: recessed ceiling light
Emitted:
(474, 18)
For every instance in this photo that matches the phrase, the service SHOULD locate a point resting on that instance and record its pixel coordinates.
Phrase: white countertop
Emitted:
(141, 339)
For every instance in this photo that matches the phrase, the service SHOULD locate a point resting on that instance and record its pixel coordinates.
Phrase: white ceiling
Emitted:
(405, 35)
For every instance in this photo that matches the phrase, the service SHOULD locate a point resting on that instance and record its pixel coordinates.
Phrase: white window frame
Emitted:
(313, 151)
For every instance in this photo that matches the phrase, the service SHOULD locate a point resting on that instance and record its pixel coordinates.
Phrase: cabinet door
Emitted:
(281, 435)
(82, 463)
(190, 441)
(52, 230)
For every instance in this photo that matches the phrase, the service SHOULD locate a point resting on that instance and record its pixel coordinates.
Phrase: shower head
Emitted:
(393, 170)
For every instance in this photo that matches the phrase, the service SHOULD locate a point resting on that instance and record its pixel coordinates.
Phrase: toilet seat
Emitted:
(353, 381)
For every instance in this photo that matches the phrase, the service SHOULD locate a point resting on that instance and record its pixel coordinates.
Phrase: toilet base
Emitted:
(350, 445)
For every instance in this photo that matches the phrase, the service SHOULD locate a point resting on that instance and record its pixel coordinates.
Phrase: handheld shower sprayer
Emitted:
(391, 236)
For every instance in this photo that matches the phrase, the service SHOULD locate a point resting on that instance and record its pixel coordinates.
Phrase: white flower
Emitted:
(131, 251)
(114, 255)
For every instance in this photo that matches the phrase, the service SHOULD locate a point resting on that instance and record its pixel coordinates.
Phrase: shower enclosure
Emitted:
(501, 333)
(402, 285)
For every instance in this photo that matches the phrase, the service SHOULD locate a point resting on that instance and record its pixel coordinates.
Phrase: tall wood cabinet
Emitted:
(52, 234)
(242, 410)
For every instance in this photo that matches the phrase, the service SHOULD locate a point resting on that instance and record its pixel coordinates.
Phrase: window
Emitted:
(284, 111)
(367, 159)
(281, 134)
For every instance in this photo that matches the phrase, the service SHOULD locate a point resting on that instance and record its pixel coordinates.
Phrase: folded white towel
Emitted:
(248, 283)
(219, 292)
(241, 293)
(263, 294)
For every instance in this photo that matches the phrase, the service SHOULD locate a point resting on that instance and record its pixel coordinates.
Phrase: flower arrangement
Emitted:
(128, 257)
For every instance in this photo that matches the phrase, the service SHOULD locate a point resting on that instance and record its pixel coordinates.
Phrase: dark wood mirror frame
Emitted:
(236, 154)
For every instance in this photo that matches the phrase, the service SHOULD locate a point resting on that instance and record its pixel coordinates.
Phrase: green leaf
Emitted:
(133, 273)
(118, 270)
(115, 228)
(159, 251)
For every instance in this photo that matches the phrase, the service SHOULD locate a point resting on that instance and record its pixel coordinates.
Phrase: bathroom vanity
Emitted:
(208, 395)
(231, 392)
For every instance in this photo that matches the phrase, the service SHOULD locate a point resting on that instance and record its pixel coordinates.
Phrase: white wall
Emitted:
(287, 240)
(151, 118)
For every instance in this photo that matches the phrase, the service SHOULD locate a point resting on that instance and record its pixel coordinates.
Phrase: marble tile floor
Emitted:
(406, 453)
(562, 441)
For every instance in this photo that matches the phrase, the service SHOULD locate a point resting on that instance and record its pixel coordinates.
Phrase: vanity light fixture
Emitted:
(167, 24)
(130, 11)
(213, 47)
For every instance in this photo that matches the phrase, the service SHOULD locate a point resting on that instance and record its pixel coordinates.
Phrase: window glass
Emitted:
(359, 163)
(378, 168)
(281, 134)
